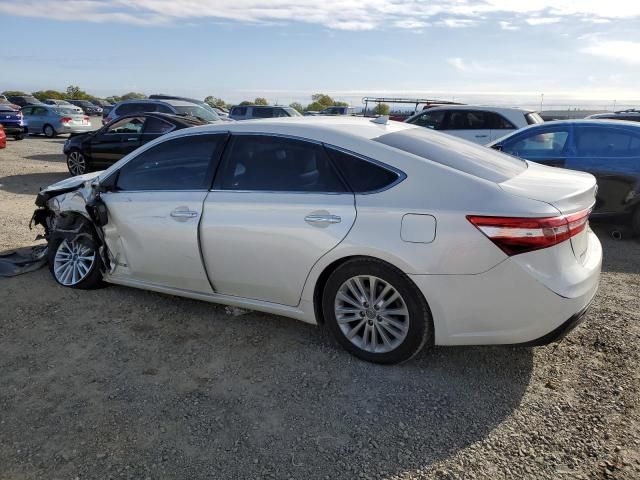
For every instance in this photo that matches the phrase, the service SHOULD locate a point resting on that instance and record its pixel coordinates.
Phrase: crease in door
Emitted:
(204, 265)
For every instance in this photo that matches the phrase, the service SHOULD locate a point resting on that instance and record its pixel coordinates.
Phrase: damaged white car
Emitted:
(392, 235)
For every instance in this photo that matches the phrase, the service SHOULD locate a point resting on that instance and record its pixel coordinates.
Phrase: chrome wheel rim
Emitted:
(73, 262)
(371, 314)
(76, 163)
(48, 131)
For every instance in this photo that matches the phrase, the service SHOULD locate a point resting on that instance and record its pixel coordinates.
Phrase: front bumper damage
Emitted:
(72, 209)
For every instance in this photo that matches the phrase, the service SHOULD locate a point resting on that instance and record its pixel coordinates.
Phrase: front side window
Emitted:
(184, 163)
(198, 112)
(156, 126)
(539, 145)
(433, 119)
(277, 164)
(466, 120)
(127, 125)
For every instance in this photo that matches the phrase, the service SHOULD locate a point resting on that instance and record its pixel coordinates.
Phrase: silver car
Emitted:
(63, 104)
(52, 120)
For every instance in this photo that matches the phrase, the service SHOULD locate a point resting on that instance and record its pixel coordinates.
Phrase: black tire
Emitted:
(78, 163)
(635, 222)
(92, 279)
(420, 323)
(49, 131)
(19, 137)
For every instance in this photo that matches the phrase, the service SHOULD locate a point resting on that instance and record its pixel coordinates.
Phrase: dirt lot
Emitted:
(121, 383)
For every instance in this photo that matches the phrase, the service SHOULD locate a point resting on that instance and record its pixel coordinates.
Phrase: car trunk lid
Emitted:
(568, 191)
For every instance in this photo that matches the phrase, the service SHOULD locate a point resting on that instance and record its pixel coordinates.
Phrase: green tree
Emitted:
(215, 102)
(315, 107)
(297, 106)
(45, 94)
(113, 99)
(382, 109)
(261, 101)
(244, 103)
(133, 96)
(75, 93)
(320, 101)
(10, 93)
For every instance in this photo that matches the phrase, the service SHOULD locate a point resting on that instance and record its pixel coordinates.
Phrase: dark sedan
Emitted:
(101, 148)
(608, 149)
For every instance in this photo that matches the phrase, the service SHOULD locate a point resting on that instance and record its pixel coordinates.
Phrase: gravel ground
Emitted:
(121, 383)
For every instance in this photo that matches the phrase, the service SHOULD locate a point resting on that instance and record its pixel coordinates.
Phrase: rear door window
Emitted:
(277, 164)
(498, 122)
(598, 142)
(153, 125)
(467, 120)
(263, 112)
(183, 163)
(127, 125)
(539, 145)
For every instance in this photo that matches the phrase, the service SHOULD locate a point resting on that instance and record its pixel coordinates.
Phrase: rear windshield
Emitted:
(197, 112)
(533, 118)
(65, 111)
(467, 157)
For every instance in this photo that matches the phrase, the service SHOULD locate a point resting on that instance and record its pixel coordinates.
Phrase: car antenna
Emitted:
(381, 120)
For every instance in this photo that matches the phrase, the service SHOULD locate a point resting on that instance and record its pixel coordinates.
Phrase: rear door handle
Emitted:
(315, 218)
(131, 139)
(482, 136)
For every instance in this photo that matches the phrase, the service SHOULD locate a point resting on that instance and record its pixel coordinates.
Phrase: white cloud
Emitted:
(542, 20)
(508, 26)
(332, 14)
(457, 63)
(618, 50)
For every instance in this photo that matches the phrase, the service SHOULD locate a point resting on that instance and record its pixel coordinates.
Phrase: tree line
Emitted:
(319, 101)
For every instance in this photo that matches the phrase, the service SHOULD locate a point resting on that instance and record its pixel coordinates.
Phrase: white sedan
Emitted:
(392, 235)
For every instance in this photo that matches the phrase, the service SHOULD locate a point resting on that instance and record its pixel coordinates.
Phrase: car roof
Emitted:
(186, 121)
(173, 103)
(478, 107)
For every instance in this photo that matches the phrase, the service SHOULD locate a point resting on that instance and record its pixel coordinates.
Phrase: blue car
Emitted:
(13, 122)
(608, 149)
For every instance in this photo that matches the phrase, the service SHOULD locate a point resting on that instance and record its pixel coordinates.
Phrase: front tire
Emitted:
(77, 163)
(19, 137)
(49, 131)
(75, 263)
(375, 312)
(635, 222)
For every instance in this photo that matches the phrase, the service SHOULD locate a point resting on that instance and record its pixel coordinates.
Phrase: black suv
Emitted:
(24, 100)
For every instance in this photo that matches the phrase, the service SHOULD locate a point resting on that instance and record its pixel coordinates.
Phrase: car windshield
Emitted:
(293, 112)
(197, 112)
(467, 157)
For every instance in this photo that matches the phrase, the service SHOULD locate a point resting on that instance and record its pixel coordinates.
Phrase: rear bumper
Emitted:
(14, 129)
(560, 332)
(515, 302)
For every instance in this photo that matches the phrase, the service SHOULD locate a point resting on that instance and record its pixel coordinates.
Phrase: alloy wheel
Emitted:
(371, 314)
(76, 163)
(72, 262)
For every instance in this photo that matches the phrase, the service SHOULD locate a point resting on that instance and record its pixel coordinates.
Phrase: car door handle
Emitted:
(315, 218)
(131, 139)
(184, 214)
(482, 136)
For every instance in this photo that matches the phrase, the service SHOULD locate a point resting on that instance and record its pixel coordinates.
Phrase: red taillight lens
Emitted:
(86, 118)
(514, 235)
(66, 119)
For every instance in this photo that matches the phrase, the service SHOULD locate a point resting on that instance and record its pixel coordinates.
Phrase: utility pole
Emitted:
(614, 105)
(541, 100)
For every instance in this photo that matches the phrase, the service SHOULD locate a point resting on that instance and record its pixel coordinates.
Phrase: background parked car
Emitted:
(87, 107)
(248, 112)
(610, 150)
(336, 110)
(13, 122)
(631, 115)
(222, 114)
(4, 101)
(24, 100)
(476, 124)
(101, 148)
(52, 120)
(64, 104)
(176, 107)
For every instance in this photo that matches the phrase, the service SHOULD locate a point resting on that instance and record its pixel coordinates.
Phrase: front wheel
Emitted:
(376, 312)
(19, 137)
(75, 263)
(77, 163)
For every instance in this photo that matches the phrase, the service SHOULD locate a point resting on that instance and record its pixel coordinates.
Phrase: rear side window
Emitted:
(469, 158)
(498, 122)
(128, 125)
(156, 126)
(433, 119)
(184, 163)
(538, 145)
(362, 176)
(606, 142)
(277, 164)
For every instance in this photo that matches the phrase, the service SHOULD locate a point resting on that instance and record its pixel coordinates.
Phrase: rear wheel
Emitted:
(49, 131)
(77, 163)
(375, 311)
(19, 137)
(75, 263)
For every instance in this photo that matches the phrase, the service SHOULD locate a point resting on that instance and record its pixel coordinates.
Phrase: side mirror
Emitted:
(497, 146)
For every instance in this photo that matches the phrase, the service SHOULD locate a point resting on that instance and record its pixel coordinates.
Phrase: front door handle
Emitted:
(131, 139)
(183, 214)
(482, 136)
(321, 218)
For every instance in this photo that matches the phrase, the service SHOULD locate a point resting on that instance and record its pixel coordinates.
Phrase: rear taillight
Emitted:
(514, 235)
(66, 119)
(86, 118)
